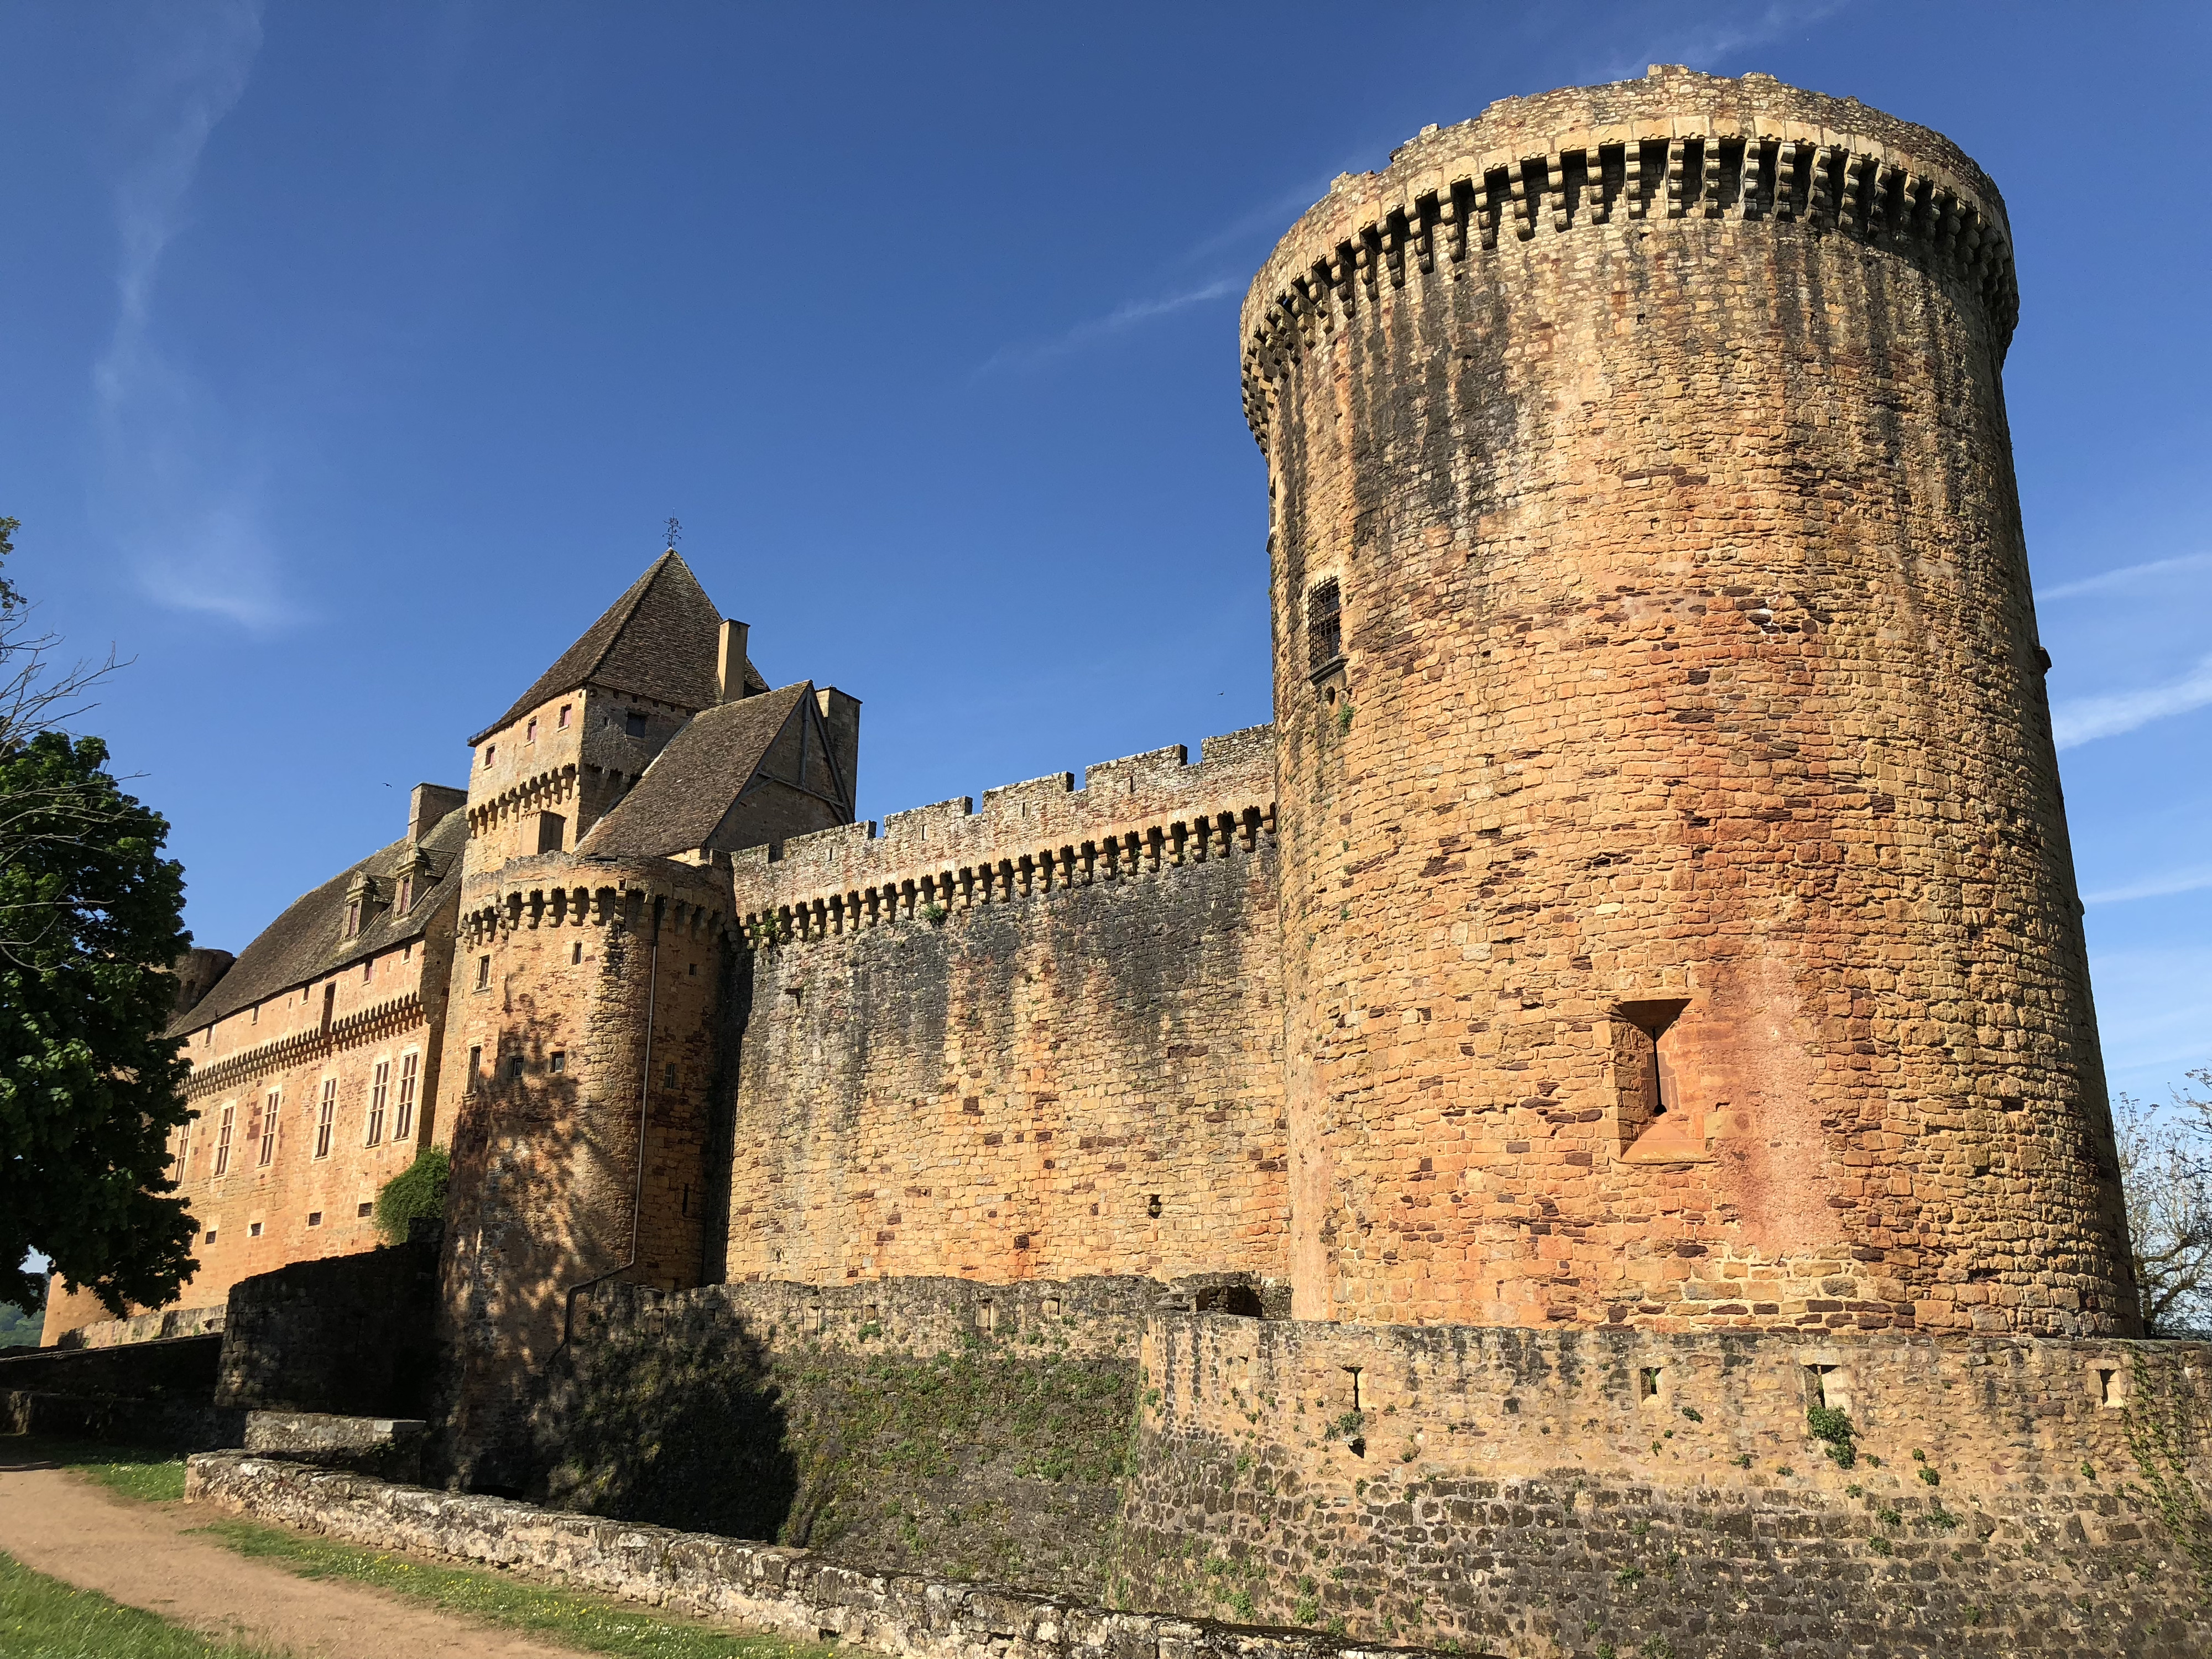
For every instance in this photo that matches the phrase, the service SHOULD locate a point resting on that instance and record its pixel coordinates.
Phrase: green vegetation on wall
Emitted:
(417, 1192)
(995, 1460)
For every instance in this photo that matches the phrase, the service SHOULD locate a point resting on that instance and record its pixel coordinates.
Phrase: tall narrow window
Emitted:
(268, 1127)
(530, 732)
(353, 917)
(563, 721)
(1324, 626)
(403, 899)
(222, 1138)
(403, 1125)
(326, 1117)
(379, 1085)
(1655, 1121)
(184, 1149)
(483, 973)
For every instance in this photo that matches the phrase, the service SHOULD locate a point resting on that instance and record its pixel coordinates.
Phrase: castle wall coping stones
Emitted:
(1139, 811)
(792, 1592)
(1833, 162)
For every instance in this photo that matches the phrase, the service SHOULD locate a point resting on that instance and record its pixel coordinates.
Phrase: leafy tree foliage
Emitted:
(90, 924)
(417, 1192)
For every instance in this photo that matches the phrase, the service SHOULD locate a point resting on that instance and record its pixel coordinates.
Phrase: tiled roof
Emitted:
(659, 641)
(689, 787)
(308, 940)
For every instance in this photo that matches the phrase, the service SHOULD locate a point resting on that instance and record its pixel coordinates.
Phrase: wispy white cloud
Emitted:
(2081, 719)
(2156, 573)
(1131, 314)
(178, 497)
(1706, 42)
(2164, 886)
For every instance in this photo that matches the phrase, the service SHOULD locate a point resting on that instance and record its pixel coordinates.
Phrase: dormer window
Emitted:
(411, 881)
(353, 918)
(361, 905)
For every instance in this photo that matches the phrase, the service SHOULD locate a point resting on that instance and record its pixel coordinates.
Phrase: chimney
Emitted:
(427, 805)
(840, 718)
(730, 664)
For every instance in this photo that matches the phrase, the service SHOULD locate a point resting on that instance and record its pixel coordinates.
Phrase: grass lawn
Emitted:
(156, 1477)
(42, 1618)
(594, 1624)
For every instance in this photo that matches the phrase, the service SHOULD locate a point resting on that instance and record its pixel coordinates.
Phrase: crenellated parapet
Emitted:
(561, 891)
(1131, 816)
(1675, 147)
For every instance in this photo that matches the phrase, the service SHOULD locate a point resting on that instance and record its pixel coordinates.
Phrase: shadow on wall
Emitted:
(688, 1434)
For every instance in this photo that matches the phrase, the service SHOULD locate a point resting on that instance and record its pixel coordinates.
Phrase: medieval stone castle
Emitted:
(1651, 912)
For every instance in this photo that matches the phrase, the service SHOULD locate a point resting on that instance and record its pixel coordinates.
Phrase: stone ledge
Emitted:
(789, 1591)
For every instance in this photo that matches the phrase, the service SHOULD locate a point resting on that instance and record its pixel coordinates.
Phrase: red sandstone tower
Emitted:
(1679, 920)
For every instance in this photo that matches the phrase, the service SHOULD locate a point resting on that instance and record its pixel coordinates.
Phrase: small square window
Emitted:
(515, 1067)
(253, 1229)
(694, 970)
(556, 1062)
(491, 753)
(211, 1236)
(634, 723)
(315, 1217)
(365, 1209)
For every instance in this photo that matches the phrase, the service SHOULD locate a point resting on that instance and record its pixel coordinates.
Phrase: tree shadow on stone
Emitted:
(652, 1419)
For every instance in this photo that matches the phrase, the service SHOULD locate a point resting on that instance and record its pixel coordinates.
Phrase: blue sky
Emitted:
(354, 356)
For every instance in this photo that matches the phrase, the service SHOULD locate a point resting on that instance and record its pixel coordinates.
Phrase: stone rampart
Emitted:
(757, 1586)
(1547, 1492)
(1036, 1041)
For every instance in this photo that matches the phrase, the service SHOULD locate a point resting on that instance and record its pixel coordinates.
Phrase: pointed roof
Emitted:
(659, 641)
(692, 783)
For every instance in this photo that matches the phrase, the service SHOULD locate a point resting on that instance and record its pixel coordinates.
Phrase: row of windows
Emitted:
(634, 721)
(390, 1106)
(361, 1211)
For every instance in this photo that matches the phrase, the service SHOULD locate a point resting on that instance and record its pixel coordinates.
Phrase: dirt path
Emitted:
(64, 1525)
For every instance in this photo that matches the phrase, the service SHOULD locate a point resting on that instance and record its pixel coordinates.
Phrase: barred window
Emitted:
(223, 1139)
(268, 1127)
(1324, 626)
(326, 1117)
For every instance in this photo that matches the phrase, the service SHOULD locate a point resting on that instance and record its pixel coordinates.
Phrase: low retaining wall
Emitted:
(785, 1590)
(170, 1425)
(347, 1333)
(182, 1368)
(145, 1328)
(1554, 1492)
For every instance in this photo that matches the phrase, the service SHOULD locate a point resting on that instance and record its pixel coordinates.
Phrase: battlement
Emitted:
(1675, 145)
(365, 1025)
(559, 889)
(1132, 815)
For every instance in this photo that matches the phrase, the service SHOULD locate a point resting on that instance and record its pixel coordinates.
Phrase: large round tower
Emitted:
(1679, 917)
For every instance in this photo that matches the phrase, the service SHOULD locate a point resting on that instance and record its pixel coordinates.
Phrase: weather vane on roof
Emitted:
(675, 532)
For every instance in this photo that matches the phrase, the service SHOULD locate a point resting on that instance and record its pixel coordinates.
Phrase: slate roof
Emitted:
(659, 641)
(308, 940)
(686, 793)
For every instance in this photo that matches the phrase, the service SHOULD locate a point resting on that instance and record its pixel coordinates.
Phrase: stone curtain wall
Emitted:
(755, 1586)
(1548, 1492)
(972, 1432)
(1653, 436)
(1040, 1040)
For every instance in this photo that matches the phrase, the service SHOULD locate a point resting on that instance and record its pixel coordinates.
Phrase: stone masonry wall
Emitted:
(555, 1058)
(754, 1586)
(1679, 922)
(354, 1336)
(1036, 1041)
(968, 1431)
(1563, 1493)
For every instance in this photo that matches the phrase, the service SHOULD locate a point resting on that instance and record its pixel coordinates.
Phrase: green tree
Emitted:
(90, 923)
